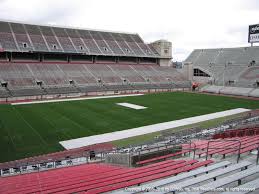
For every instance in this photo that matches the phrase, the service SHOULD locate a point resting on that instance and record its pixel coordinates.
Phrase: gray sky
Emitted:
(188, 24)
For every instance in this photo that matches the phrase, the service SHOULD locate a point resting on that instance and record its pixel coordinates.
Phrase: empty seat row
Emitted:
(25, 37)
(55, 78)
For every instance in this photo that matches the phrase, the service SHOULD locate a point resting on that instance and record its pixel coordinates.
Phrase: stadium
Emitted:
(103, 111)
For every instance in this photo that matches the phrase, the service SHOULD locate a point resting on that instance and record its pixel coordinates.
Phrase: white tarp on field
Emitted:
(74, 99)
(133, 106)
(117, 135)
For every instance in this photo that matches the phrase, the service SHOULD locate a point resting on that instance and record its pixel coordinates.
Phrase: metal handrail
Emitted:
(257, 157)
(234, 140)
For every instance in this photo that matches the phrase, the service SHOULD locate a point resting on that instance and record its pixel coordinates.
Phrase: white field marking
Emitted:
(117, 135)
(74, 99)
(129, 105)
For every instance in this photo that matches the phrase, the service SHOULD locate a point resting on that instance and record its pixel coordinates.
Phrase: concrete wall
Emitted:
(202, 80)
(75, 95)
(164, 49)
(188, 71)
(164, 62)
(118, 159)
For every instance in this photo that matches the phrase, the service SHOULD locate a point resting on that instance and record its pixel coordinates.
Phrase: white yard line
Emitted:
(74, 99)
(129, 105)
(117, 135)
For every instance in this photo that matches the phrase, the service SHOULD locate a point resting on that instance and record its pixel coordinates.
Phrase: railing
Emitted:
(176, 147)
(225, 148)
(257, 157)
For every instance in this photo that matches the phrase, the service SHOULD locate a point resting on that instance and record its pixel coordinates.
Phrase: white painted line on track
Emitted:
(133, 106)
(117, 135)
(74, 99)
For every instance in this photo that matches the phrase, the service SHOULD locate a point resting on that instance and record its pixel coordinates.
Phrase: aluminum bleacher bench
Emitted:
(182, 176)
(249, 185)
(148, 178)
(202, 178)
(220, 183)
(162, 157)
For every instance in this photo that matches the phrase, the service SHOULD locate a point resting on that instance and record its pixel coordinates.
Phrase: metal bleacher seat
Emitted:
(183, 176)
(70, 78)
(21, 37)
(64, 40)
(104, 73)
(247, 186)
(220, 183)
(36, 38)
(123, 45)
(213, 175)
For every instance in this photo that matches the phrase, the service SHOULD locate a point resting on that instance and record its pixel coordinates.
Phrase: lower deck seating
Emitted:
(48, 78)
(94, 178)
(236, 177)
(210, 176)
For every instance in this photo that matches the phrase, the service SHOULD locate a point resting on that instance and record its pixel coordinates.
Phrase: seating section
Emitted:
(23, 37)
(50, 78)
(94, 178)
(251, 184)
(237, 133)
(16, 75)
(227, 146)
(236, 177)
(250, 74)
(236, 67)
(174, 174)
(7, 41)
(188, 179)
(222, 56)
(127, 73)
(215, 176)
(104, 73)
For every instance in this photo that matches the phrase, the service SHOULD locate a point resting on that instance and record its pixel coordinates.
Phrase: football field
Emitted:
(34, 129)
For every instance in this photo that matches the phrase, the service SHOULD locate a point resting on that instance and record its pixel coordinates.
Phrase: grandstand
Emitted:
(47, 60)
(232, 71)
(42, 62)
(160, 174)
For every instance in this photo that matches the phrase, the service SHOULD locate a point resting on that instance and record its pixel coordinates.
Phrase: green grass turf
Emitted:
(27, 130)
(142, 139)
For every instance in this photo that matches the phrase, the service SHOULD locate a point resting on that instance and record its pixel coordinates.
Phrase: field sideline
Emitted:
(33, 129)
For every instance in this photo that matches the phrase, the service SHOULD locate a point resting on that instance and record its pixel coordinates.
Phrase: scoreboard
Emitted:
(253, 35)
